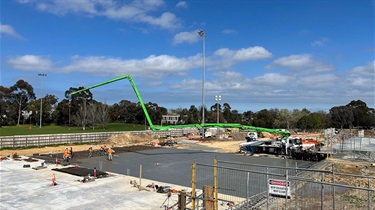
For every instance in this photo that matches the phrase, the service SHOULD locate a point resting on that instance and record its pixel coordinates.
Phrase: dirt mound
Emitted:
(128, 139)
(238, 136)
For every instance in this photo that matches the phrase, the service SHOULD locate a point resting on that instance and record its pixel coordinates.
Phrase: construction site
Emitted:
(180, 173)
(190, 166)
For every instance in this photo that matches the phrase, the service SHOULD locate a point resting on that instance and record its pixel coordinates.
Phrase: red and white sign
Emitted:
(279, 187)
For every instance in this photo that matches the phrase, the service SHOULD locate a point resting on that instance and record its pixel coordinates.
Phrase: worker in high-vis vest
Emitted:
(66, 155)
(101, 151)
(110, 152)
(90, 151)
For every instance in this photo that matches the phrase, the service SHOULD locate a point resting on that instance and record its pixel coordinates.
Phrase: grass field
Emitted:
(53, 129)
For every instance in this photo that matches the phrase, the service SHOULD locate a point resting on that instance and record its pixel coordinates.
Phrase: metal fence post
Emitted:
(286, 189)
(333, 190)
(216, 206)
(322, 192)
(369, 194)
(268, 187)
(14, 142)
(247, 190)
(296, 187)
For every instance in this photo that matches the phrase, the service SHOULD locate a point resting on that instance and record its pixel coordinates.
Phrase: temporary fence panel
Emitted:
(250, 186)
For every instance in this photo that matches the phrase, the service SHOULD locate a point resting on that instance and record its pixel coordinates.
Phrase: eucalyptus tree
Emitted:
(20, 94)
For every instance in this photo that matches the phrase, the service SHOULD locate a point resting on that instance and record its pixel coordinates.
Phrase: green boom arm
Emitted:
(134, 88)
(199, 126)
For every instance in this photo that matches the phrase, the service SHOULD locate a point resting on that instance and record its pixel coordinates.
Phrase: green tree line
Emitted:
(18, 105)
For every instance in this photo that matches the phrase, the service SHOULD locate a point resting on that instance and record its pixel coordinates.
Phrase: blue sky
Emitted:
(259, 54)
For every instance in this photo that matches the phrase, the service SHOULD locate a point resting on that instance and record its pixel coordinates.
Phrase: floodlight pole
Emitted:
(41, 99)
(217, 99)
(203, 35)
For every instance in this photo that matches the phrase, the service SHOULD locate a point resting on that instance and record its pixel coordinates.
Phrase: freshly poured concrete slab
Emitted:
(173, 166)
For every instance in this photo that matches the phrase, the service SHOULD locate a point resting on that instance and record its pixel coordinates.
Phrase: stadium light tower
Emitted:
(203, 35)
(41, 99)
(217, 99)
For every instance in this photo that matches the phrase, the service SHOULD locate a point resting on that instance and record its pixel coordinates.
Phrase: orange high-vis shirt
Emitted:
(66, 153)
(110, 151)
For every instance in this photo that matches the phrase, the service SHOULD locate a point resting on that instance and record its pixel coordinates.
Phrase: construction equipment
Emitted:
(252, 145)
(202, 126)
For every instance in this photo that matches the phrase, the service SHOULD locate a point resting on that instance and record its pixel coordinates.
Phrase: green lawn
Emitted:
(53, 129)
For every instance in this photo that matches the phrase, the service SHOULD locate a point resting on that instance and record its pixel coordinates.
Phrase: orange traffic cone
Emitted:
(53, 180)
(94, 172)
(57, 162)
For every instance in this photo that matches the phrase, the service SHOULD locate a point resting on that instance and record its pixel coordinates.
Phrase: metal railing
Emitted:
(250, 186)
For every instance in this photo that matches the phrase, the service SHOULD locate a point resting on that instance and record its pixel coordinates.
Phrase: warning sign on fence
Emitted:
(279, 187)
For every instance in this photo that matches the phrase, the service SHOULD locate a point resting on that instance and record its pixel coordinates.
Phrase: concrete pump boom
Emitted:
(134, 88)
(199, 126)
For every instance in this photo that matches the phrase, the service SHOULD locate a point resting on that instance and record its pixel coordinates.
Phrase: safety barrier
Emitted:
(53, 139)
(249, 186)
(76, 138)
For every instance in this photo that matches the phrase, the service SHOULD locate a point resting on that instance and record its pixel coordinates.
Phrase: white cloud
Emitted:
(293, 61)
(320, 42)
(152, 66)
(226, 57)
(167, 20)
(134, 11)
(189, 37)
(30, 62)
(318, 81)
(7, 29)
(362, 76)
(272, 79)
(250, 53)
(298, 62)
(182, 4)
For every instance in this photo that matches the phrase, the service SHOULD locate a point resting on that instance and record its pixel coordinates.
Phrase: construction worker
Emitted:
(110, 151)
(71, 152)
(105, 149)
(66, 155)
(101, 151)
(90, 152)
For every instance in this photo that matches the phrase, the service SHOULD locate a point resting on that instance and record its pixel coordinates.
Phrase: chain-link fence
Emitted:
(249, 186)
(347, 146)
